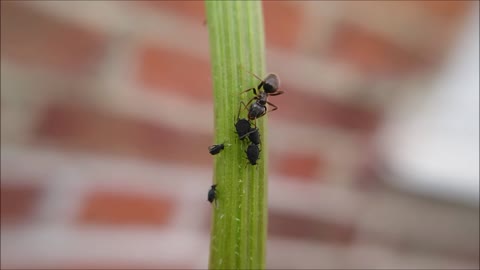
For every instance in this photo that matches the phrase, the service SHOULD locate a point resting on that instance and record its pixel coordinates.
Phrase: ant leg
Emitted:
(249, 89)
(260, 86)
(276, 93)
(255, 124)
(239, 109)
(244, 107)
(273, 105)
(252, 99)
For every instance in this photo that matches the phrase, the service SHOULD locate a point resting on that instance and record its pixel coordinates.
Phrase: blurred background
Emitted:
(106, 115)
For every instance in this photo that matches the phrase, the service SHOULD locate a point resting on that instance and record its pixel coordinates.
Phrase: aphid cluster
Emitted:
(256, 107)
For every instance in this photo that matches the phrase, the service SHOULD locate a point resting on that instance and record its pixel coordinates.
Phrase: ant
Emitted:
(270, 86)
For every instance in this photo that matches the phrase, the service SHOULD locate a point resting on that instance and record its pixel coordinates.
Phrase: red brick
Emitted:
(302, 227)
(302, 107)
(83, 128)
(161, 69)
(18, 202)
(35, 39)
(115, 208)
(373, 54)
(299, 165)
(191, 9)
(446, 10)
(283, 22)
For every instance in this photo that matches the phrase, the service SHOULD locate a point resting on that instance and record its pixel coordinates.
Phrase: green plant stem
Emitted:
(239, 224)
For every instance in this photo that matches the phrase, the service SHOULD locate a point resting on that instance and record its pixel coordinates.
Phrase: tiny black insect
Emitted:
(254, 136)
(216, 148)
(212, 193)
(242, 126)
(270, 86)
(253, 153)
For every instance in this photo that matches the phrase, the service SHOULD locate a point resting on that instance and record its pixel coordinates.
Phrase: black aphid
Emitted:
(216, 148)
(242, 126)
(212, 193)
(253, 153)
(254, 136)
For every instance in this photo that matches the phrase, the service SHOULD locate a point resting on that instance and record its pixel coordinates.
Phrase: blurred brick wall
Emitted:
(98, 170)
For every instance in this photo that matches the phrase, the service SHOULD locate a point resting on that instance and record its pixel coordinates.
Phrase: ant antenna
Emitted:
(251, 73)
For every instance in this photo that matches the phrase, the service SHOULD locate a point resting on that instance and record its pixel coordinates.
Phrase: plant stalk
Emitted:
(239, 226)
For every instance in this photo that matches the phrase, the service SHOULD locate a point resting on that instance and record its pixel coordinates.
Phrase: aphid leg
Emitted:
(251, 131)
(244, 136)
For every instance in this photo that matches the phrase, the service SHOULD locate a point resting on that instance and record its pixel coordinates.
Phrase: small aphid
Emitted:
(242, 126)
(216, 148)
(254, 136)
(212, 193)
(253, 153)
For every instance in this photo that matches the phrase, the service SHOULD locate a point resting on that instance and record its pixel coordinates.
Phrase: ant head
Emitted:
(271, 83)
(214, 186)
